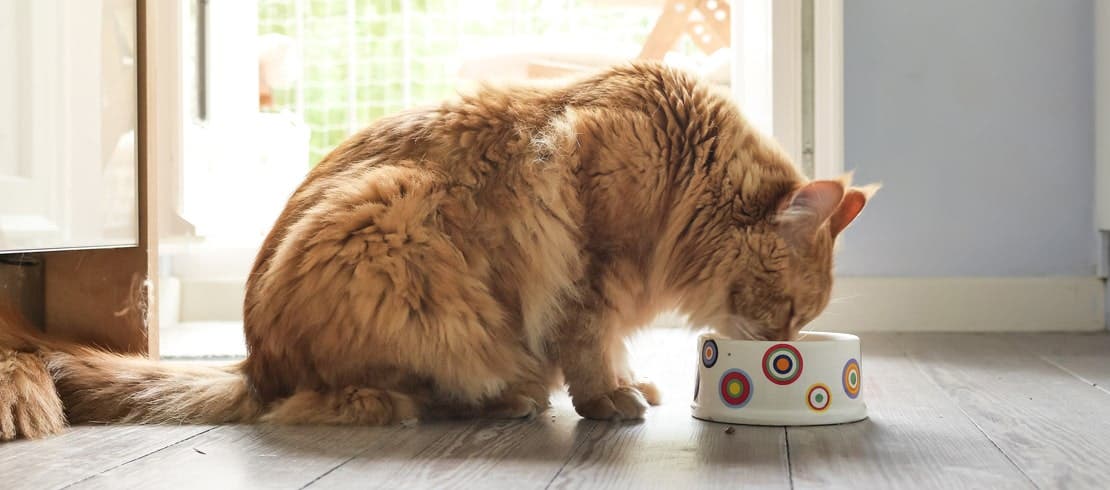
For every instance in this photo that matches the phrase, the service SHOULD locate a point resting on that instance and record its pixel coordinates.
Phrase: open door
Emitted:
(68, 159)
(75, 238)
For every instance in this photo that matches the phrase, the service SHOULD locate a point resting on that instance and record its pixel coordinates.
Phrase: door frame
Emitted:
(768, 72)
(105, 297)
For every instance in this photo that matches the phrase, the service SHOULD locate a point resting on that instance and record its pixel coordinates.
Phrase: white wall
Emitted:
(977, 117)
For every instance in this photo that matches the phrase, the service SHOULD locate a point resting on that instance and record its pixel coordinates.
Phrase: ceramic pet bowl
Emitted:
(812, 381)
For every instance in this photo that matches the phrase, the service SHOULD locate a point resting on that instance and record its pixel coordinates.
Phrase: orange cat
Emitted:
(467, 259)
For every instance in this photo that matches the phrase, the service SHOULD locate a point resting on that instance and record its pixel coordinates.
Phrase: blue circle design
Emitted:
(851, 367)
(709, 353)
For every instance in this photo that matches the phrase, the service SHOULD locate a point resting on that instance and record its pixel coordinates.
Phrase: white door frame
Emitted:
(767, 75)
(828, 23)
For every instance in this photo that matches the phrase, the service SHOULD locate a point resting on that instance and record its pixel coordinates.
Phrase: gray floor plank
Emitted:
(82, 452)
(1087, 356)
(518, 454)
(915, 437)
(1052, 425)
(947, 411)
(390, 460)
(245, 456)
(671, 449)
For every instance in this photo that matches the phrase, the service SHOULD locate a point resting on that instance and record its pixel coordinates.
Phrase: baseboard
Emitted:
(860, 304)
(965, 304)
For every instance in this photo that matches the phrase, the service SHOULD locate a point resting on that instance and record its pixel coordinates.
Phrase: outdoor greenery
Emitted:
(406, 52)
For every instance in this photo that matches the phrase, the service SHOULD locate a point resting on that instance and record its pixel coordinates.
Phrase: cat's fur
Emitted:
(465, 260)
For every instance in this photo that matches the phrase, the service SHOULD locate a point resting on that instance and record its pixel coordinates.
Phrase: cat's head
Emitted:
(785, 273)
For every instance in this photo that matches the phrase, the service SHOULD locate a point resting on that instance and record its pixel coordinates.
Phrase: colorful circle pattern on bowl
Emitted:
(818, 397)
(787, 390)
(736, 388)
(782, 364)
(709, 353)
(851, 378)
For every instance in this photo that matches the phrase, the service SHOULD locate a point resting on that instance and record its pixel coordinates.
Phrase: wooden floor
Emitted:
(947, 411)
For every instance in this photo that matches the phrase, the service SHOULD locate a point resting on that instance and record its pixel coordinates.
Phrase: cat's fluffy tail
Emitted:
(41, 375)
(101, 387)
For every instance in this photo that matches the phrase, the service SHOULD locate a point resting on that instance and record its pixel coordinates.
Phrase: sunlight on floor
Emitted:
(214, 340)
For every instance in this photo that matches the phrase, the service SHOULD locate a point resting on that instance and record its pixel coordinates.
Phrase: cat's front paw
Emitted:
(624, 403)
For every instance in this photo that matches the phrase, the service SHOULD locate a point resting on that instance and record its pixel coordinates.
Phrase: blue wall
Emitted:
(978, 118)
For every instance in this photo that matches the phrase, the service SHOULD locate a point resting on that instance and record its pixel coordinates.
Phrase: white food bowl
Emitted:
(816, 380)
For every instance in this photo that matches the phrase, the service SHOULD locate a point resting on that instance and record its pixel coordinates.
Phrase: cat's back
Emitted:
(459, 209)
(505, 125)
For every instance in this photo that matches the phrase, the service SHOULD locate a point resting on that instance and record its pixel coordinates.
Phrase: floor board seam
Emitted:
(789, 463)
(132, 460)
(1044, 357)
(570, 455)
(348, 460)
(913, 360)
(1075, 374)
(1078, 376)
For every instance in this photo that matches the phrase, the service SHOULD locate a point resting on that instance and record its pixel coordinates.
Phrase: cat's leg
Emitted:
(590, 354)
(349, 406)
(626, 377)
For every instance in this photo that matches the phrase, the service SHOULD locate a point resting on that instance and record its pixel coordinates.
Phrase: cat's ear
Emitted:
(815, 201)
(854, 200)
(803, 211)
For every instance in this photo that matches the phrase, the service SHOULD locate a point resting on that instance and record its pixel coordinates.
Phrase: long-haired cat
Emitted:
(465, 260)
